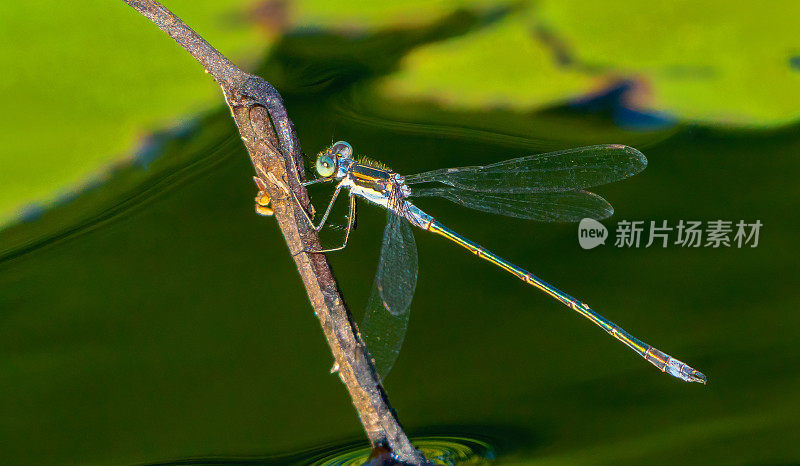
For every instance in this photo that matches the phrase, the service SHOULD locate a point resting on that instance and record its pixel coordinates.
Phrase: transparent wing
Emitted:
(561, 171)
(386, 319)
(570, 206)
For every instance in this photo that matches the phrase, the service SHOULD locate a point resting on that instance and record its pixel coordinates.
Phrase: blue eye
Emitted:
(343, 149)
(326, 167)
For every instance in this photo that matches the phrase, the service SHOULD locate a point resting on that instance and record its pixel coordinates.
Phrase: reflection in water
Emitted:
(439, 450)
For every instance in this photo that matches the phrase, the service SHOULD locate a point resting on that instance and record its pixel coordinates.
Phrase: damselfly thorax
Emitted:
(376, 183)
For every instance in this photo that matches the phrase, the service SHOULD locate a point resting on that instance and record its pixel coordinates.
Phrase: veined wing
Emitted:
(566, 170)
(569, 206)
(388, 309)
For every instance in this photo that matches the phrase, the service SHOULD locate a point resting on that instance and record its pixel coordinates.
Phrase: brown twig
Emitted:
(256, 106)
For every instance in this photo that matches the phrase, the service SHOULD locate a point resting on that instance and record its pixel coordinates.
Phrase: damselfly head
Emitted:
(328, 161)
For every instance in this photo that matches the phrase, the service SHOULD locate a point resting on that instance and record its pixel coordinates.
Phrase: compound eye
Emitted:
(342, 149)
(326, 167)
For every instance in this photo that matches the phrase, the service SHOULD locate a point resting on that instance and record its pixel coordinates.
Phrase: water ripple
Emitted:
(447, 450)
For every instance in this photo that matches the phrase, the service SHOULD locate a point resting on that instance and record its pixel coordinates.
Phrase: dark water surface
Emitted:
(158, 319)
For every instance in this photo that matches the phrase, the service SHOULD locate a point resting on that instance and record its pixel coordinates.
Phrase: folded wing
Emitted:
(388, 309)
(566, 170)
(569, 206)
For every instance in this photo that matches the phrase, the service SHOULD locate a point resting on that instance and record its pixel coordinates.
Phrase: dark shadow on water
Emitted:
(617, 103)
(312, 62)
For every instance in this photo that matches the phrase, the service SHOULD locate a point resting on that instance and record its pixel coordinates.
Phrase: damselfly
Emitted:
(545, 187)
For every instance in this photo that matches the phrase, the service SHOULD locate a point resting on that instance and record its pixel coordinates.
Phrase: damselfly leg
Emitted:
(351, 220)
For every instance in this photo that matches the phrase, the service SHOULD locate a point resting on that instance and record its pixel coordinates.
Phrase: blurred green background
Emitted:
(148, 315)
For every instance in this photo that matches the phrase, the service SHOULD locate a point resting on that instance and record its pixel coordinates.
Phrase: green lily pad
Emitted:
(712, 62)
(83, 82)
